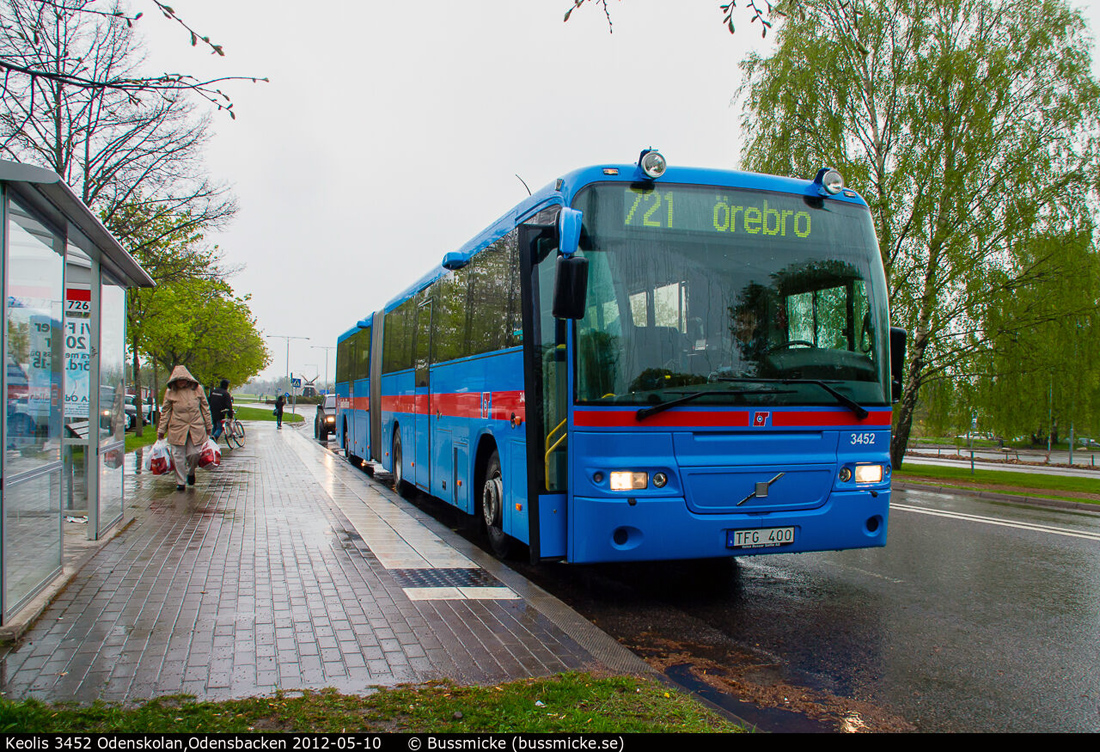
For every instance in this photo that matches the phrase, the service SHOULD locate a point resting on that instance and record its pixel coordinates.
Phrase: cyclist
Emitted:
(221, 406)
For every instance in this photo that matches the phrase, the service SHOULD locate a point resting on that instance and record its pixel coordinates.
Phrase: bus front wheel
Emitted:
(492, 508)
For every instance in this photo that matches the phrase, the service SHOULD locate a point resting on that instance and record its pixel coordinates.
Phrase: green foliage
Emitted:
(192, 317)
(199, 323)
(972, 127)
(264, 413)
(1042, 380)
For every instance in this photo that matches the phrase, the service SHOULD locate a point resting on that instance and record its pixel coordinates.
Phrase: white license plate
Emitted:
(760, 538)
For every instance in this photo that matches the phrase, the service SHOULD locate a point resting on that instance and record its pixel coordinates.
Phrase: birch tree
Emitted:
(971, 127)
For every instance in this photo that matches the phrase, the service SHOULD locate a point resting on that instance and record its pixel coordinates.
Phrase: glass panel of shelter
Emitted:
(112, 401)
(33, 346)
(78, 380)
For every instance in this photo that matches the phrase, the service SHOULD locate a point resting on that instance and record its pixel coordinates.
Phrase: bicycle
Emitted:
(233, 431)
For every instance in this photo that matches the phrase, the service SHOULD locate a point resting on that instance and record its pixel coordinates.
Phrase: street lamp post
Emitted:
(287, 338)
(326, 348)
(294, 407)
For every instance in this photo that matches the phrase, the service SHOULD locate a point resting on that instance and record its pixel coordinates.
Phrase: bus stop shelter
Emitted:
(64, 340)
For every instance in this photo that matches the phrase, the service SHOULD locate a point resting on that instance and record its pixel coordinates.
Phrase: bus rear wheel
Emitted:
(492, 508)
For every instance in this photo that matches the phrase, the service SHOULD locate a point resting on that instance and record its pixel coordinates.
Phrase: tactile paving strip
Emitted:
(425, 567)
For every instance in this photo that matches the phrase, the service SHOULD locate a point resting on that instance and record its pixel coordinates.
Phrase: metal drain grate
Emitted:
(434, 578)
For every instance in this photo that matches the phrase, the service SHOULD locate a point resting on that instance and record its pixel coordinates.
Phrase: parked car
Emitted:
(325, 422)
(131, 412)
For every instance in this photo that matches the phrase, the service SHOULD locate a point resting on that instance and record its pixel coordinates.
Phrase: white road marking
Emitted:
(459, 593)
(994, 521)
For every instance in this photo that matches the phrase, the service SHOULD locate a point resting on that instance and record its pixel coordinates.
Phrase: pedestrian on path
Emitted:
(221, 405)
(185, 422)
(280, 402)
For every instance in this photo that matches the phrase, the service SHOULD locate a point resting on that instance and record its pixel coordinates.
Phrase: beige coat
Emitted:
(184, 411)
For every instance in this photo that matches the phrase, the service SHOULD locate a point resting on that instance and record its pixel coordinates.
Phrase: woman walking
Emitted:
(185, 422)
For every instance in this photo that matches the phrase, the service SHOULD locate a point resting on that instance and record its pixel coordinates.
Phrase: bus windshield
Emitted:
(729, 297)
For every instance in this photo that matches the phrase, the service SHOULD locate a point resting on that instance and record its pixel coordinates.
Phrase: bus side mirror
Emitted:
(570, 287)
(897, 360)
(571, 280)
(569, 231)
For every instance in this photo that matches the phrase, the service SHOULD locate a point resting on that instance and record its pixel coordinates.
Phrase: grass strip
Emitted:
(264, 413)
(567, 703)
(1063, 487)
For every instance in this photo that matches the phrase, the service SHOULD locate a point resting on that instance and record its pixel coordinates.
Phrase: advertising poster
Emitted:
(78, 356)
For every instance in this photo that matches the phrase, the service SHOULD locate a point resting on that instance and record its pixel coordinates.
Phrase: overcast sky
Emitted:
(391, 133)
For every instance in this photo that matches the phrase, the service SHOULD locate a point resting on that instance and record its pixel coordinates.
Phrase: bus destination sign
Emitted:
(710, 211)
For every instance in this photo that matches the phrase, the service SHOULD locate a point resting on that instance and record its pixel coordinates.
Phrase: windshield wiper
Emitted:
(646, 412)
(848, 402)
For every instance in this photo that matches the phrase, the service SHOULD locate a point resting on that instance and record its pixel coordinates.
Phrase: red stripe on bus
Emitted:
(669, 419)
(392, 403)
(489, 405)
(458, 405)
(721, 419)
(503, 405)
(801, 419)
(507, 404)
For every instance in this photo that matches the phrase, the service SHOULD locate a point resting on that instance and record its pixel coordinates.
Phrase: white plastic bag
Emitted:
(159, 459)
(210, 456)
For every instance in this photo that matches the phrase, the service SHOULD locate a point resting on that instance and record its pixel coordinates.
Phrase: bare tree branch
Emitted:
(762, 15)
(27, 23)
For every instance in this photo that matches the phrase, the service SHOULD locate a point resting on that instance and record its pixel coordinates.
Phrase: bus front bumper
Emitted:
(607, 530)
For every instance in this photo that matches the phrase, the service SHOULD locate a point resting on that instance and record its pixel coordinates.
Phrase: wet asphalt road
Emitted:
(978, 616)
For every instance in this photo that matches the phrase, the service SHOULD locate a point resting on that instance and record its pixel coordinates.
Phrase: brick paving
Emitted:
(257, 579)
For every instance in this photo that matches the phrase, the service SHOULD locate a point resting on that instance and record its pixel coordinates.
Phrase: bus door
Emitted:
(546, 376)
(421, 470)
(361, 385)
(352, 438)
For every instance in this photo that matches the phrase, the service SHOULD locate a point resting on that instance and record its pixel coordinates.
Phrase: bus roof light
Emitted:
(455, 260)
(830, 180)
(652, 163)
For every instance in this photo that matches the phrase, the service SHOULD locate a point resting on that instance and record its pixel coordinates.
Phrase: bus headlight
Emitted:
(652, 163)
(832, 182)
(626, 480)
(868, 473)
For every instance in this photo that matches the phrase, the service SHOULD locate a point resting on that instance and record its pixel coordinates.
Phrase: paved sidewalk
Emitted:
(286, 568)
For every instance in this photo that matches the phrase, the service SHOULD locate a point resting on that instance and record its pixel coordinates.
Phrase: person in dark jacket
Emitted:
(280, 402)
(221, 406)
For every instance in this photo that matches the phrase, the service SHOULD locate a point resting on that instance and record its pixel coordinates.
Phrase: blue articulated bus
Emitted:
(643, 362)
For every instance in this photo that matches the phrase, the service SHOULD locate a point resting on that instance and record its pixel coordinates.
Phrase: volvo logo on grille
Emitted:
(761, 491)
